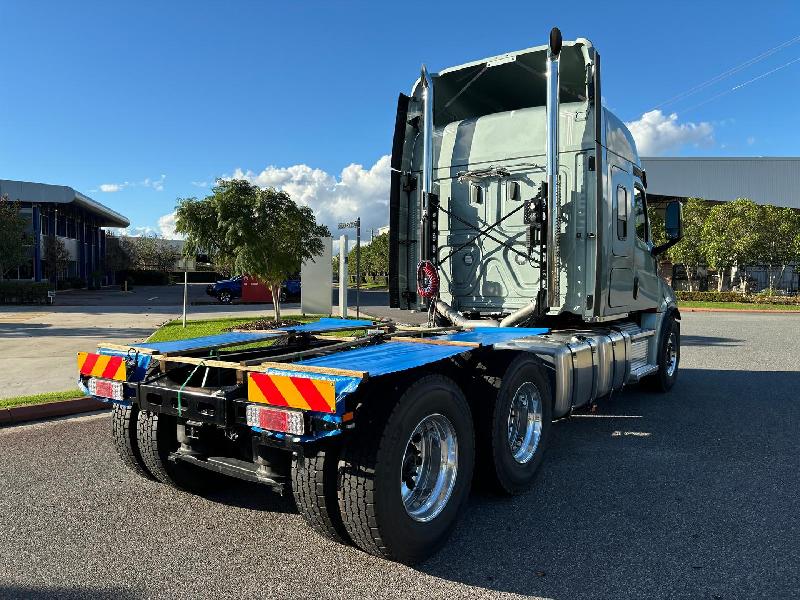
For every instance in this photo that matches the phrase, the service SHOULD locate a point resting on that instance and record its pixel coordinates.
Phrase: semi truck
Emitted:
(519, 225)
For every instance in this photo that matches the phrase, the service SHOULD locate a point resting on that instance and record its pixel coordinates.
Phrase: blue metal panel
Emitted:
(330, 324)
(386, 358)
(392, 357)
(243, 337)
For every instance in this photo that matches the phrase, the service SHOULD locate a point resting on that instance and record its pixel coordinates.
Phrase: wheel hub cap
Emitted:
(429, 467)
(525, 422)
(672, 354)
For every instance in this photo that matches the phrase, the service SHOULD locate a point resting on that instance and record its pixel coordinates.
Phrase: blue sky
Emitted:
(137, 104)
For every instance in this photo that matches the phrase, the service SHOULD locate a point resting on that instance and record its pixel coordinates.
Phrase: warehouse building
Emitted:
(73, 217)
(764, 180)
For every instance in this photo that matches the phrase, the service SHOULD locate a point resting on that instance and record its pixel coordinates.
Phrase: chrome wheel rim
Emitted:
(429, 467)
(525, 422)
(672, 354)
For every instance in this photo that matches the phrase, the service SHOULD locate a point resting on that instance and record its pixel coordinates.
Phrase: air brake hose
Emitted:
(180, 389)
(427, 279)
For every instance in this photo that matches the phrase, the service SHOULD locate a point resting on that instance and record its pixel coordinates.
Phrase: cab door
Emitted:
(621, 275)
(645, 281)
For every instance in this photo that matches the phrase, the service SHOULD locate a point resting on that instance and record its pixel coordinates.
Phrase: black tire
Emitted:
(499, 469)
(157, 438)
(370, 470)
(314, 489)
(663, 379)
(123, 427)
(225, 297)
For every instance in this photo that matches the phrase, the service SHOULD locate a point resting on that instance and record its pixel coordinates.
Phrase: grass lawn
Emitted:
(738, 305)
(172, 330)
(40, 398)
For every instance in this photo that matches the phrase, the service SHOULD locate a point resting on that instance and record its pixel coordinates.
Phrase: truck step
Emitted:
(642, 371)
(233, 467)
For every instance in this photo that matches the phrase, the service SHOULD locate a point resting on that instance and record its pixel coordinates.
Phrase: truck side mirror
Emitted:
(673, 226)
(673, 220)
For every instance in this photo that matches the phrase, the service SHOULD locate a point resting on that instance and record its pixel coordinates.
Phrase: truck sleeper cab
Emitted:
(519, 223)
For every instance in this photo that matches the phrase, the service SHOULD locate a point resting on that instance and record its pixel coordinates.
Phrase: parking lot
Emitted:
(38, 344)
(691, 494)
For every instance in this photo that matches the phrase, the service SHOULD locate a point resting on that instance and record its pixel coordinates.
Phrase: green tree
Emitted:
(260, 232)
(56, 257)
(730, 236)
(690, 251)
(117, 257)
(379, 254)
(151, 252)
(13, 237)
(777, 230)
(374, 258)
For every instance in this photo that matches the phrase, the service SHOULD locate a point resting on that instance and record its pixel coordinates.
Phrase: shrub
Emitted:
(736, 297)
(22, 292)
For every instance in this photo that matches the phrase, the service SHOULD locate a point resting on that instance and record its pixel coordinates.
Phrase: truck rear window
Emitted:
(506, 84)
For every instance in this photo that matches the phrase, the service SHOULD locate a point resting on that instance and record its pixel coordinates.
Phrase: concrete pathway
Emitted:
(38, 345)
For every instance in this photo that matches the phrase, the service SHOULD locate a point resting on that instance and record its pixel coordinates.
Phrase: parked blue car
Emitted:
(228, 290)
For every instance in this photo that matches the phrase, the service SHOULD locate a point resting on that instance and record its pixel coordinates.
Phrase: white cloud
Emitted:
(113, 187)
(356, 191)
(132, 231)
(200, 184)
(166, 227)
(156, 184)
(751, 140)
(656, 133)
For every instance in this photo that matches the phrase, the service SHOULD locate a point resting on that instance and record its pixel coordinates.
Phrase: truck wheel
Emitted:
(225, 297)
(669, 356)
(123, 428)
(404, 477)
(157, 438)
(514, 433)
(314, 490)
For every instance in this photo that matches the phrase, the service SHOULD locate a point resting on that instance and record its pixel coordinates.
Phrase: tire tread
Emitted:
(314, 489)
(124, 429)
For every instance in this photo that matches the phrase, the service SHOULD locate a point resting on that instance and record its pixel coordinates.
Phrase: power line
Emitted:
(728, 73)
(741, 85)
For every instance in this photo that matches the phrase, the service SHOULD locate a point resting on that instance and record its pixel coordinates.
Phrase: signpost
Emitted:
(357, 226)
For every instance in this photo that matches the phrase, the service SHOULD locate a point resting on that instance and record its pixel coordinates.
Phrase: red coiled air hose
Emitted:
(427, 279)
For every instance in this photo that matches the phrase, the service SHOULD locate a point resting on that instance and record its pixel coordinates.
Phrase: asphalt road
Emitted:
(693, 494)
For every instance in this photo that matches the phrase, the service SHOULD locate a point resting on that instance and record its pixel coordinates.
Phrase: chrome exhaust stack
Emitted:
(427, 133)
(426, 189)
(553, 192)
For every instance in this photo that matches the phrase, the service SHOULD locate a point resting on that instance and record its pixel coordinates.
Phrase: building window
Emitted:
(71, 232)
(61, 225)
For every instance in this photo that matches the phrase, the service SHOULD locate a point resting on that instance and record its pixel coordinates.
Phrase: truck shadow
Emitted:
(77, 593)
(706, 340)
(649, 496)
(252, 496)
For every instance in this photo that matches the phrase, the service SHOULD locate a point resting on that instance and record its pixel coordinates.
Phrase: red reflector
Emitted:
(274, 420)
